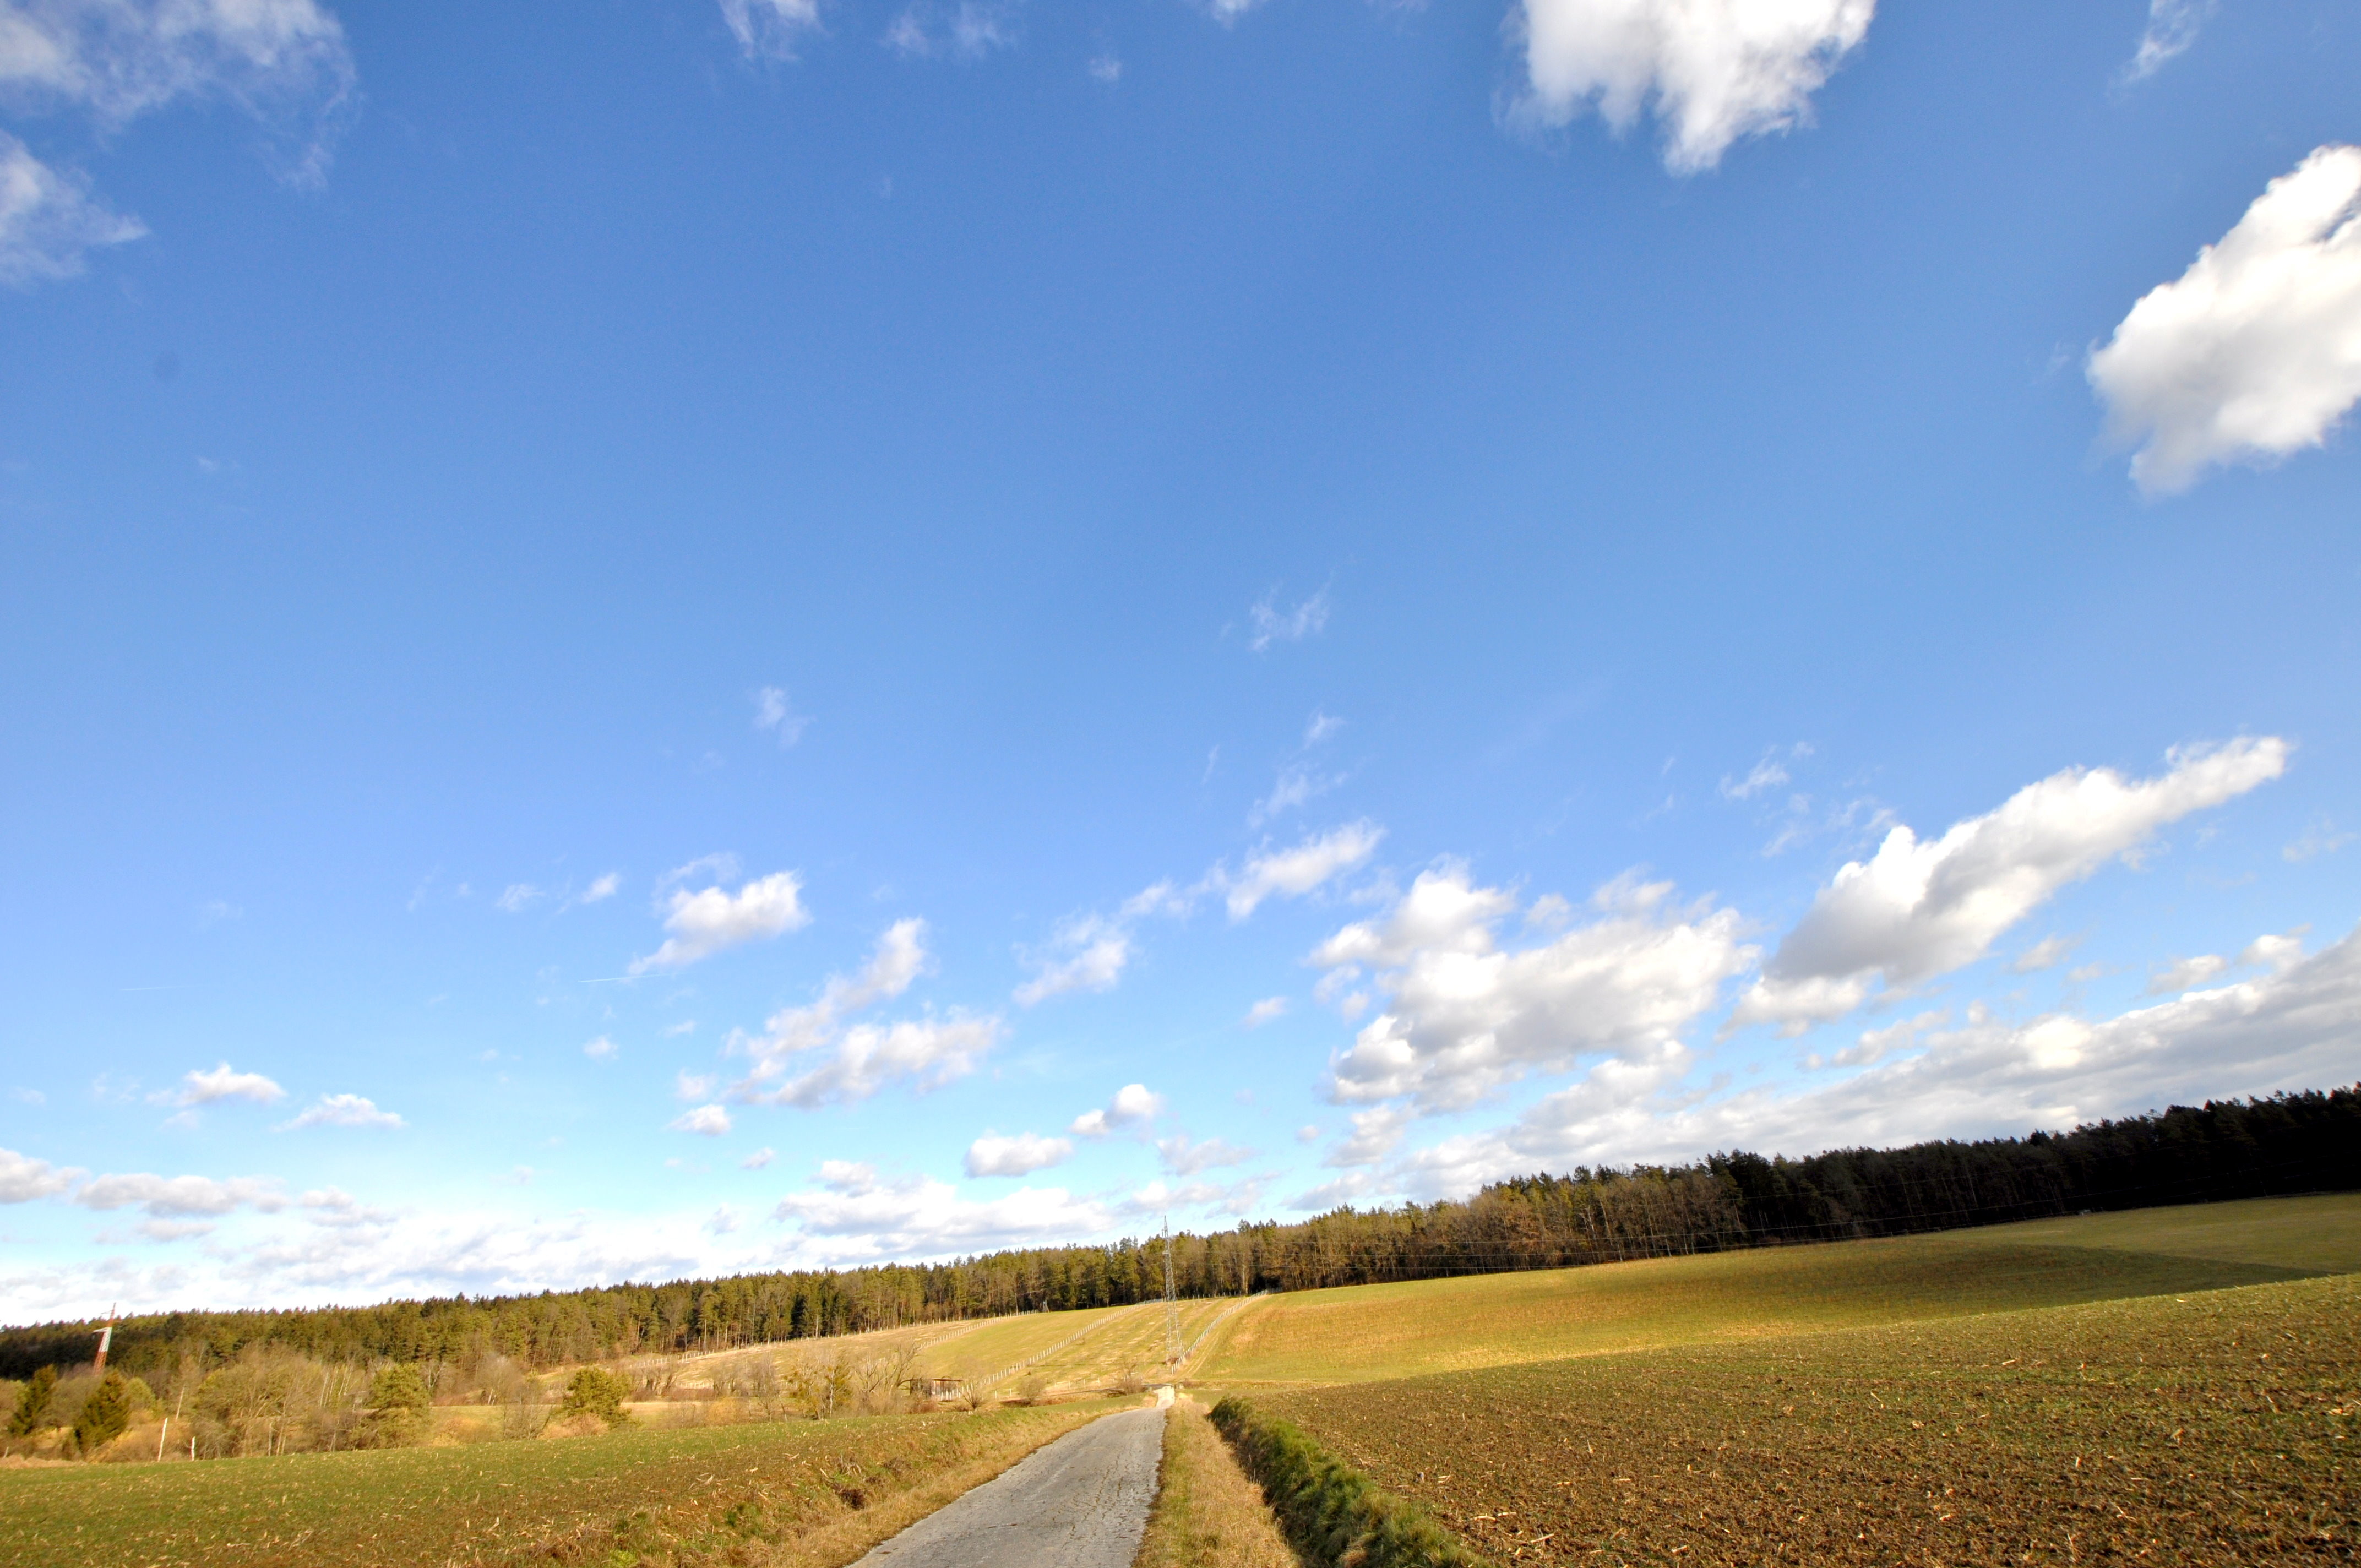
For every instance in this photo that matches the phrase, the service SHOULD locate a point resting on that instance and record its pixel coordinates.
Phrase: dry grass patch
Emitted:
(1208, 1513)
(2211, 1429)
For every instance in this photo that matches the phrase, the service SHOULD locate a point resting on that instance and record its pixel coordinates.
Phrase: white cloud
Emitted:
(691, 1086)
(1297, 784)
(222, 1082)
(1377, 1131)
(2186, 974)
(1105, 69)
(1713, 70)
(921, 1219)
(853, 1062)
(1094, 953)
(516, 898)
(768, 30)
(2172, 27)
(1268, 1010)
(342, 1111)
(1183, 1156)
(168, 1197)
(1132, 1103)
(991, 1155)
(1241, 1197)
(2254, 352)
(47, 219)
(760, 1159)
(604, 888)
(720, 866)
(1296, 872)
(2046, 953)
(2294, 1028)
(1464, 1016)
(1875, 1044)
(1272, 624)
(2320, 838)
(772, 713)
(707, 1121)
(2276, 953)
(704, 923)
(1917, 910)
(1768, 773)
(601, 1049)
(967, 29)
(24, 1179)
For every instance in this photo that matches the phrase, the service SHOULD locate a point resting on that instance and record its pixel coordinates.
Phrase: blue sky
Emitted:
(694, 636)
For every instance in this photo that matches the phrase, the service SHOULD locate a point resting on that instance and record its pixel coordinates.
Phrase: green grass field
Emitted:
(1372, 1331)
(785, 1493)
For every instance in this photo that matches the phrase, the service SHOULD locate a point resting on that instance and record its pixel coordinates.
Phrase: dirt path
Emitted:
(1080, 1502)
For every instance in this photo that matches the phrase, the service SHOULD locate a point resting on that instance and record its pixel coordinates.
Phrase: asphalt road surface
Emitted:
(1080, 1502)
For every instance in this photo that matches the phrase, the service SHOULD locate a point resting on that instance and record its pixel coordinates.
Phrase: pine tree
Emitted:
(33, 1404)
(105, 1415)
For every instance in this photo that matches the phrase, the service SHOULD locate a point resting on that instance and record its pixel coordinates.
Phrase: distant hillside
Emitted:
(2307, 1142)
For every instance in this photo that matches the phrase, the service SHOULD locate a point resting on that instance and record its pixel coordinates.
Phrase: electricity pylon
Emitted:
(1171, 1304)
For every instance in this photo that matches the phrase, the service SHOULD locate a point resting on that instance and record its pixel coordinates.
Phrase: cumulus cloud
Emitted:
(1464, 1015)
(1294, 873)
(760, 1159)
(991, 1155)
(707, 1120)
(2186, 974)
(1713, 70)
(814, 1055)
(24, 1179)
(603, 888)
(769, 29)
(49, 220)
(2294, 1027)
(1272, 624)
(1086, 954)
(704, 923)
(1916, 909)
(343, 1111)
(222, 1082)
(2172, 27)
(2254, 352)
(1133, 1104)
(601, 1049)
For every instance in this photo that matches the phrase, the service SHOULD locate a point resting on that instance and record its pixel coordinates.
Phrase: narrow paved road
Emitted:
(1080, 1502)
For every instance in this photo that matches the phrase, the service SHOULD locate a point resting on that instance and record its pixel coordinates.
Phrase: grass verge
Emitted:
(1336, 1516)
(2214, 1428)
(1208, 1513)
(778, 1495)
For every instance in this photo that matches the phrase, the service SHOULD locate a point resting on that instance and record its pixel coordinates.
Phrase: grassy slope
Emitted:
(789, 1493)
(2214, 1427)
(1391, 1331)
(1208, 1514)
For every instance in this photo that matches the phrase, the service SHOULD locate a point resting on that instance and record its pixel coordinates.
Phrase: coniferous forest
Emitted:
(2289, 1143)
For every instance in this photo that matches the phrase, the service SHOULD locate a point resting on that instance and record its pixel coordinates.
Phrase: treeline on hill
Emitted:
(2307, 1142)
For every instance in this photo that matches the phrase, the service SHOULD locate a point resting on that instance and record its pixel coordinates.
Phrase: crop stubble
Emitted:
(2210, 1429)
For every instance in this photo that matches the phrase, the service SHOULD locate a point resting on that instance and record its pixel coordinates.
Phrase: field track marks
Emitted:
(1080, 1502)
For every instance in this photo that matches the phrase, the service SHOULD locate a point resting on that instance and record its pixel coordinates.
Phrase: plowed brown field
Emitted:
(2218, 1428)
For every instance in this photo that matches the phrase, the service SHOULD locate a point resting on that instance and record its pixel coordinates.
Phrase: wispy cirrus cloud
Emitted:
(821, 1054)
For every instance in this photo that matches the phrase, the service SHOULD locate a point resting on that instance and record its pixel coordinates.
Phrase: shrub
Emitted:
(1333, 1513)
(595, 1391)
(33, 1404)
(105, 1415)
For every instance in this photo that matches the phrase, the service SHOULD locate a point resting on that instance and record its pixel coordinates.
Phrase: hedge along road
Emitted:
(1080, 1502)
